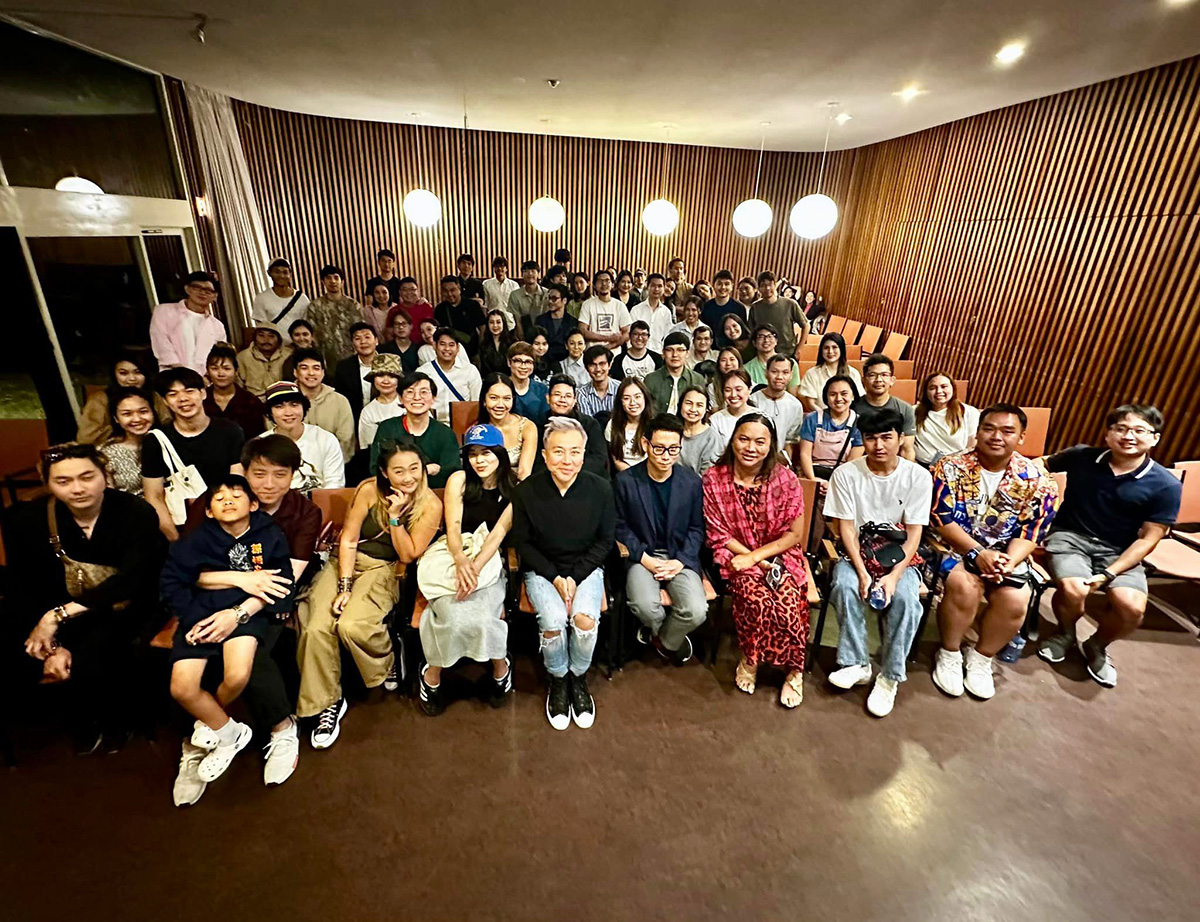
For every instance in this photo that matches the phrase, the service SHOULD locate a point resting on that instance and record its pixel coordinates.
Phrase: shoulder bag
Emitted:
(437, 573)
(183, 482)
(80, 576)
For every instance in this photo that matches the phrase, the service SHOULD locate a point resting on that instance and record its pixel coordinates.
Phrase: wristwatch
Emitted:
(973, 553)
(243, 616)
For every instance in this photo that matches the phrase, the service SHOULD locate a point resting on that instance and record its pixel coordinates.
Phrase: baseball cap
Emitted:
(483, 436)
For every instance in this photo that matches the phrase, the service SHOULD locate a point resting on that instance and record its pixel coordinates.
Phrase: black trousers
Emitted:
(266, 693)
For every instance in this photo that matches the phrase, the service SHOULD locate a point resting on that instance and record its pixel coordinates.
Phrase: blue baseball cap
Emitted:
(483, 436)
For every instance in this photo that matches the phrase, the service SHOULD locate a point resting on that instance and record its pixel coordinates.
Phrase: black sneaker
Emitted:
(116, 740)
(583, 707)
(558, 703)
(678, 657)
(500, 688)
(87, 739)
(644, 637)
(431, 697)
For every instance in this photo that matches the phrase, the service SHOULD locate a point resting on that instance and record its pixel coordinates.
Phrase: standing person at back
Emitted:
(655, 311)
(261, 363)
(412, 303)
(470, 286)
(878, 378)
(713, 312)
(332, 315)
(875, 500)
(558, 324)
(498, 289)
(528, 300)
(282, 304)
(184, 333)
(602, 318)
(782, 314)
(351, 376)
(1119, 503)
(385, 263)
(462, 315)
(678, 275)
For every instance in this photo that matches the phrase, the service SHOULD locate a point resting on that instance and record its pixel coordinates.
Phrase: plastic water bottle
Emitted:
(877, 596)
(1012, 652)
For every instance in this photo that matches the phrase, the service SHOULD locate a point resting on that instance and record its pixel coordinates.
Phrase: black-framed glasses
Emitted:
(669, 451)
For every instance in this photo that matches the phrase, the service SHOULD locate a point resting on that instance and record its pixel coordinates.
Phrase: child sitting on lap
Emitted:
(220, 622)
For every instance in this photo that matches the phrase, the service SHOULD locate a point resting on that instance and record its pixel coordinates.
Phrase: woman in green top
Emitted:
(392, 518)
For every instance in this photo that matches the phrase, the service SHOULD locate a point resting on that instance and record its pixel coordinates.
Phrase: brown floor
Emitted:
(1057, 800)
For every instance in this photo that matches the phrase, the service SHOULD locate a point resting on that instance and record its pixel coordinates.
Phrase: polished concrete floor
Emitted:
(1057, 800)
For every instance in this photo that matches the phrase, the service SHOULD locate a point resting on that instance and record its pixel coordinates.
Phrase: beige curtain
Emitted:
(241, 244)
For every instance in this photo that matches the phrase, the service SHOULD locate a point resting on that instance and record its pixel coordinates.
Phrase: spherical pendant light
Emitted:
(814, 216)
(546, 214)
(752, 218)
(78, 184)
(422, 207)
(660, 217)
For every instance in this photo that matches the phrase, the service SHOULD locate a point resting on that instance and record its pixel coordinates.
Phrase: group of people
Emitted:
(654, 444)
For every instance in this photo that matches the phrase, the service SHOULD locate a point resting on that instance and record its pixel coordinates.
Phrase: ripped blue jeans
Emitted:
(572, 646)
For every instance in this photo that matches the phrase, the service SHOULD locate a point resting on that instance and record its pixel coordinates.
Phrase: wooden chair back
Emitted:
(1036, 432)
(1189, 503)
(334, 504)
(895, 346)
(463, 414)
(905, 390)
(869, 339)
(811, 353)
(904, 369)
(850, 332)
(835, 324)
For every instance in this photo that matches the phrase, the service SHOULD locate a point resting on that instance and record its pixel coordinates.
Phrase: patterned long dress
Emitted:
(772, 627)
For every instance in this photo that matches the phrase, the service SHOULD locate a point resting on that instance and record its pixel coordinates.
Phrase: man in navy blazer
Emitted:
(660, 519)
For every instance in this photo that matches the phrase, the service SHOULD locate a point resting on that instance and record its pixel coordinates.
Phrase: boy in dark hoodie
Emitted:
(224, 622)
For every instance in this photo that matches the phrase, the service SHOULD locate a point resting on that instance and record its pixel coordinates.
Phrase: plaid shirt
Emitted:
(1023, 505)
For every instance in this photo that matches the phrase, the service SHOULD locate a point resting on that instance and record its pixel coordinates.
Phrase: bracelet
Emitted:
(1108, 575)
(394, 523)
(60, 614)
(345, 583)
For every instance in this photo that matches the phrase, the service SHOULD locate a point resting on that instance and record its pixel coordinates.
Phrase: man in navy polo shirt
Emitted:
(1118, 505)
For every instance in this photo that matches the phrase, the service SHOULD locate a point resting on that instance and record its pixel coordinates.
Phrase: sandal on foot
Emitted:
(745, 677)
(793, 684)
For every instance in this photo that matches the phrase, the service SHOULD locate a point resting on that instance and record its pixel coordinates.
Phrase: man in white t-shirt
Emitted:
(281, 304)
(602, 318)
(449, 375)
(886, 490)
(777, 405)
(655, 311)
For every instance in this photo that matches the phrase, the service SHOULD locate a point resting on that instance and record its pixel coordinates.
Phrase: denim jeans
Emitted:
(571, 646)
(688, 605)
(901, 618)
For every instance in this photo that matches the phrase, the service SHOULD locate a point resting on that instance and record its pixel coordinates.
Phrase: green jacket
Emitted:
(437, 443)
(658, 383)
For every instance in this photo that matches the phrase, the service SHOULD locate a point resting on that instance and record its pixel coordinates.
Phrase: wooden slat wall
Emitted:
(332, 190)
(1047, 251)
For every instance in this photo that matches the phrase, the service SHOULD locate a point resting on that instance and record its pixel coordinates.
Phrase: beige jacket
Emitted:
(259, 372)
(331, 411)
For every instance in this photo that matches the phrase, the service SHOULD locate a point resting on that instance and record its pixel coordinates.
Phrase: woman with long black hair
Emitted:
(131, 369)
(469, 623)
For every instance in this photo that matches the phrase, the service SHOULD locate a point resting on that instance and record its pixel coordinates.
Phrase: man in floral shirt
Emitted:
(992, 507)
(332, 315)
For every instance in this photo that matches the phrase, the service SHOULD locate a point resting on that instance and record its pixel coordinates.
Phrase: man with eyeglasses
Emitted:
(184, 333)
(878, 377)
(1118, 505)
(529, 395)
(660, 521)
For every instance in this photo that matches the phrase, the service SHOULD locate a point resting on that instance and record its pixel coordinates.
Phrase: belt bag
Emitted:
(182, 483)
(80, 576)
(882, 548)
(437, 573)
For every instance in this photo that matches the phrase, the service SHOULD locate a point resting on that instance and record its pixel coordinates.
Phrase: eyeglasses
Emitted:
(203, 289)
(524, 361)
(1140, 431)
(878, 375)
(669, 451)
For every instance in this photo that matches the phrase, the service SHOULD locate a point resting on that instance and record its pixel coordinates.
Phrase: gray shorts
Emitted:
(1079, 556)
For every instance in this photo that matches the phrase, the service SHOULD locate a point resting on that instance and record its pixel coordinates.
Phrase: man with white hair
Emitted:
(564, 523)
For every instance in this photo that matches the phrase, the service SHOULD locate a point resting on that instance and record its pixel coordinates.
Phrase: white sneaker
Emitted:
(979, 681)
(214, 764)
(204, 736)
(849, 676)
(188, 786)
(391, 682)
(948, 672)
(283, 754)
(329, 725)
(883, 696)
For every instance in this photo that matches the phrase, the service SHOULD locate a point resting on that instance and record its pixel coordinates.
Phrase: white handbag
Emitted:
(437, 573)
(182, 483)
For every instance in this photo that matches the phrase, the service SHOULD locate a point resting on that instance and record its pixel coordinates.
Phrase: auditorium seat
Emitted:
(835, 324)
(463, 414)
(895, 345)
(850, 331)
(868, 339)
(1036, 432)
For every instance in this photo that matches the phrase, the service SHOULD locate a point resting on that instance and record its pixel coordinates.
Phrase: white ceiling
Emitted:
(700, 72)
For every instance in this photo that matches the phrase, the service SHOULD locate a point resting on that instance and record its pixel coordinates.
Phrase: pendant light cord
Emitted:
(761, 146)
(825, 152)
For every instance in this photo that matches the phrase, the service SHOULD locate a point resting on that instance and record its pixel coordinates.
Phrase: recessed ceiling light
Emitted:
(1177, 2)
(1010, 52)
(843, 118)
(910, 92)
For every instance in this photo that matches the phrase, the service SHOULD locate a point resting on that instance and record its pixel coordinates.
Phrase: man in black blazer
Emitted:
(350, 374)
(660, 519)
